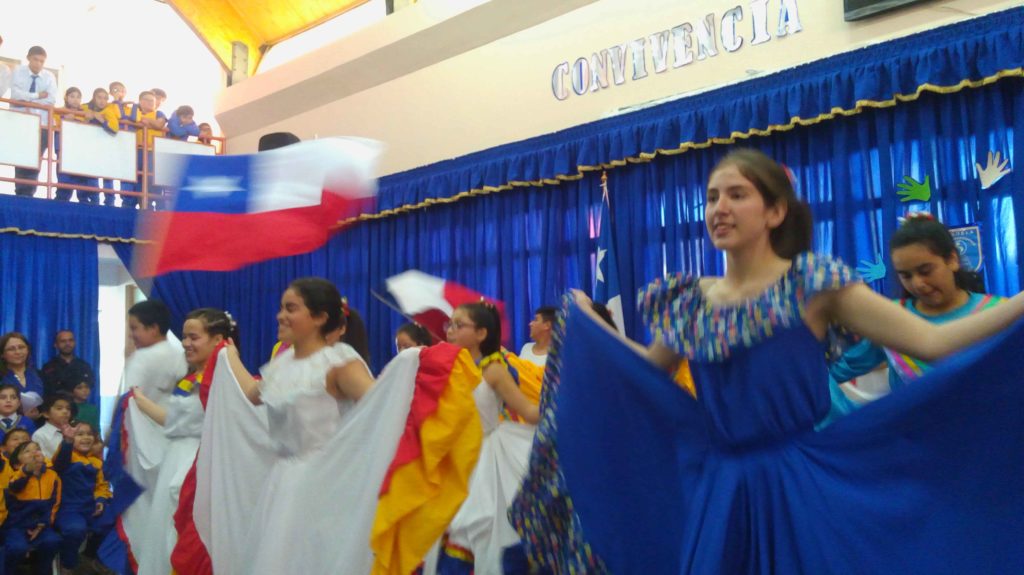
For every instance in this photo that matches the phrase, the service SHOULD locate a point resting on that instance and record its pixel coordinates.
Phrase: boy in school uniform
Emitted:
(5, 78)
(107, 115)
(12, 440)
(145, 113)
(85, 493)
(182, 124)
(72, 102)
(102, 112)
(205, 134)
(85, 411)
(31, 83)
(33, 499)
(160, 95)
(10, 405)
(58, 409)
(117, 93)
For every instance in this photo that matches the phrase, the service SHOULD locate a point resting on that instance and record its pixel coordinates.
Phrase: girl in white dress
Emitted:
(181, 417)
(333, 432)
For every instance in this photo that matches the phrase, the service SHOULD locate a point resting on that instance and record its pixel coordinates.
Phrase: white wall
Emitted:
(497, 91)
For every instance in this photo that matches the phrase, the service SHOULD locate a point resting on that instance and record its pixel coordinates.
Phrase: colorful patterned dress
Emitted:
(903, 369)
(480, 532)
(738, 480)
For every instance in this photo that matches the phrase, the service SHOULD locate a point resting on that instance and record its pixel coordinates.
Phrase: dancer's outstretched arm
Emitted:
(884, 322)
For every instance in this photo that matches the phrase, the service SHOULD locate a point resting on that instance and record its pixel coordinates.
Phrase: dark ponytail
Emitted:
(216, 322)
(417, 333)
(321, 297)
(775, 184)
(923, 229)
(485, 315)
(355, 332)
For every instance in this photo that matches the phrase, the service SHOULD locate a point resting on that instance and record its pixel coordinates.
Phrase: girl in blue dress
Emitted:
(737, 480)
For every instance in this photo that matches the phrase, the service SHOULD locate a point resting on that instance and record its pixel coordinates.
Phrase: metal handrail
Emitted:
(50, 157)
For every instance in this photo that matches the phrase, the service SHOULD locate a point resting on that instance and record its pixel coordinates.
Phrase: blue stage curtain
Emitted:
(848, 170)
(49, 284)
(35, 216)
(527, 246)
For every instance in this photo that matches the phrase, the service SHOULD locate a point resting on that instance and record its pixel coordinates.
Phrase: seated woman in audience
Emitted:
(16, 353)
(507, 405)
(412, 335)
(936, 288)
(33, 500)
(182, 420)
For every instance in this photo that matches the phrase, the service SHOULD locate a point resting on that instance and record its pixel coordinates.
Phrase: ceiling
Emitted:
(259, 24)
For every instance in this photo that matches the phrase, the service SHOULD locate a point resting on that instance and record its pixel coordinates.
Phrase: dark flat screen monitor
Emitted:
(857, 9)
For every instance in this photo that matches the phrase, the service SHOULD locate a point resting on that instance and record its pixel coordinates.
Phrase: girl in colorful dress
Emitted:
(935, 287)
(480, 531)
(737, 480)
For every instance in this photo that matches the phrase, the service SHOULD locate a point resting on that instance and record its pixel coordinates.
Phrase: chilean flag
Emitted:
(230, 211)
(431, 300)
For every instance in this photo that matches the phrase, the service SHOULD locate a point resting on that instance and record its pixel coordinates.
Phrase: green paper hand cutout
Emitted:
(912, 190)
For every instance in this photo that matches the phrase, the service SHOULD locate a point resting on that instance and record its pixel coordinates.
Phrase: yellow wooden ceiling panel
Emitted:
(259, 24)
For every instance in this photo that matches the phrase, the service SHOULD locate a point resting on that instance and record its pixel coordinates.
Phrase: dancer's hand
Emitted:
(582, 299)
(68, 431)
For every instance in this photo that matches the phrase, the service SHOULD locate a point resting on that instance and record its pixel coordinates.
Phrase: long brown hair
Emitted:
(794, 234)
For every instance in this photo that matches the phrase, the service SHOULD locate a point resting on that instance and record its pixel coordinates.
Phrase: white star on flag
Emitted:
(600, 257)
(214, 185)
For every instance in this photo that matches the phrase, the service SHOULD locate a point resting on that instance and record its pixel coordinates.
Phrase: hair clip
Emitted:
(915, 216)
(344, 307)
(789, 174)
(231, 320)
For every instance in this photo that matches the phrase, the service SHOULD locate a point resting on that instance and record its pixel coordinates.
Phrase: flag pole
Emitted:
(385, 301)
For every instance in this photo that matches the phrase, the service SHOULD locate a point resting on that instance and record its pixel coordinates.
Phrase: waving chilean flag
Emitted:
(230, 211)
(431, 300)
